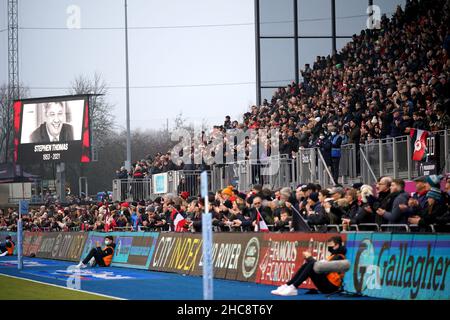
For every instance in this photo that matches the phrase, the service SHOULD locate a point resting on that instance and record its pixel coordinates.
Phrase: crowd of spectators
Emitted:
(382, 84)
(282, 209)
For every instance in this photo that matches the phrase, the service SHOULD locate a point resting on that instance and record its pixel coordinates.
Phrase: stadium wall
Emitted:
(384, 265)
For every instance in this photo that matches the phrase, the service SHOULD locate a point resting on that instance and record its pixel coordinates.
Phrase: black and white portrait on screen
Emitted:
(58, 121)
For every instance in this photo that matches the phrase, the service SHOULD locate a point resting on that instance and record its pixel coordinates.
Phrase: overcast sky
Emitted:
(180, 59)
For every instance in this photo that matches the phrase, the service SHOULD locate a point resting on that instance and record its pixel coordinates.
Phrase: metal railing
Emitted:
(143, 189)
(349, 166)
(367, 174)
(324, 175)
(306, 166)
(393, 156)
(381, 157)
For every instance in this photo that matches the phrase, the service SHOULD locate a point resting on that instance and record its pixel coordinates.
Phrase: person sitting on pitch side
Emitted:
(102, 257)
(8, 248)
(325, 282)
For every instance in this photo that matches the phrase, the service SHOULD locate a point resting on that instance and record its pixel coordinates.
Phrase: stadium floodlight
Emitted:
(207, 241)
(127, 92)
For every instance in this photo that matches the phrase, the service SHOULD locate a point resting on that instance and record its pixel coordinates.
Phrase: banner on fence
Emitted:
(176, 252)
(399, 266)
(133, 249)
(61, 245)
(234, 256)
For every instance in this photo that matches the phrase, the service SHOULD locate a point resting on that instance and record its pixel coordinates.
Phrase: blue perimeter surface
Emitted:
(147, 285)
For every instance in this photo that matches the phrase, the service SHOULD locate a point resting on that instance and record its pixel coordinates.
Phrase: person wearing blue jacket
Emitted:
(336, 141)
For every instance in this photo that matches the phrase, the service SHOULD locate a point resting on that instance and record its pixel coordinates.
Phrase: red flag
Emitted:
(179, 222)
(420, 143)
(260, 223)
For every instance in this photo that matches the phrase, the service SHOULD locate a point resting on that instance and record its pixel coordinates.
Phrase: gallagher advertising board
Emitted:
(399, 266)
(133, 249)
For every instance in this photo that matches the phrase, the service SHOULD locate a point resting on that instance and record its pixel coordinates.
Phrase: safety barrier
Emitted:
(275, 173)
(384, 265)
(393, 156)
(158, 185)
(54, 245)
(349, 164)
(363, 163)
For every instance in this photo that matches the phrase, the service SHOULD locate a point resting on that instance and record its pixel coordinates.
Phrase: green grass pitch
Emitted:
(18, 289)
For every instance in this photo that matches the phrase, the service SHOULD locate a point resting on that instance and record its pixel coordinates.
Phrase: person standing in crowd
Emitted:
(325, 282)
(336, 141)
(102, 256)
(354, 137)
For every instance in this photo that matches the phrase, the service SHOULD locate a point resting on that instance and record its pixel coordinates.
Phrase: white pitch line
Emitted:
(58, 286)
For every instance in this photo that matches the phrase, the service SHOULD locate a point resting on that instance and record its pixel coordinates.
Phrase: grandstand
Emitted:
(348, 136)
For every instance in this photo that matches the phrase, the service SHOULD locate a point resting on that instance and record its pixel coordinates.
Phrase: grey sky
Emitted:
(51, 58)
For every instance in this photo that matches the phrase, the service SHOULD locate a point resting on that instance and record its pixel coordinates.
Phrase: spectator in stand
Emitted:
(364, 212)
(333, 207)
(384, 200)
(7, 249)
(122, 173)
(227, 123)
(248, 219)
(353, 206)
(418, 202)
(284, 222)
(324, 143)
(110, 224)
(314, 210)
(354, 137)
(122, 221)
(434, 207)
(99, 224)
(398, 213)
(336, 141)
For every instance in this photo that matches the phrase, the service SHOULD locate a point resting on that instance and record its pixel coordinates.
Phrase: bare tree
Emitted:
(179, 121)
(102, 118)
(6, 122)
(205, 125)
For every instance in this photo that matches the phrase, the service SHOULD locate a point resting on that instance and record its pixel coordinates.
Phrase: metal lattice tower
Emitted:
(13, 49)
